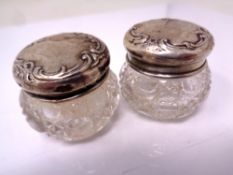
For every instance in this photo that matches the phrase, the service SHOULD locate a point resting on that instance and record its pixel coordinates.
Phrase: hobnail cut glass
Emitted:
(77, 118)
(164, 98)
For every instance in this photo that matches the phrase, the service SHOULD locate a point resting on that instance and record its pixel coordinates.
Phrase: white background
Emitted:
(18, 12)
(132, 145)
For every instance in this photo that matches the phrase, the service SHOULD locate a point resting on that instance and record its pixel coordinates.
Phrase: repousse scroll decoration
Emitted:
(28, 71)
(147, 40)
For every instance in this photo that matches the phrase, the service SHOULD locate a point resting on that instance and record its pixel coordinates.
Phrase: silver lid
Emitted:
(62, 65)
(167, 47)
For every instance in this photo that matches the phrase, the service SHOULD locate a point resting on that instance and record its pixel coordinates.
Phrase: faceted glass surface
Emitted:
(76, 118)
(161, 98)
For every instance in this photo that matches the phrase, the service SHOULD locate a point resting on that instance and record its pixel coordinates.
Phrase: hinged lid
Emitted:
(61, 65)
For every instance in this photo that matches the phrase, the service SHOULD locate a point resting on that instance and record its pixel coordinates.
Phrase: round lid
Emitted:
(61, 65)
(167, 46)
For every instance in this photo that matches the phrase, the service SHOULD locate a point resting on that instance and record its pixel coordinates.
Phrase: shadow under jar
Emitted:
(68, 90)
(166, 75)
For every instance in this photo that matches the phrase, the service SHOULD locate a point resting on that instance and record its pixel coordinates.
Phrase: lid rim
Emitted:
(70, 95)
(165, 71)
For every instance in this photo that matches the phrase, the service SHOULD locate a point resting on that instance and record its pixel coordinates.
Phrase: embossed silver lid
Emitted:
(62, 65)
(167, 47)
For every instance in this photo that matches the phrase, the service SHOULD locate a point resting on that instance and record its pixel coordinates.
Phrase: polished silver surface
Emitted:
(167, 46)
(62, 65)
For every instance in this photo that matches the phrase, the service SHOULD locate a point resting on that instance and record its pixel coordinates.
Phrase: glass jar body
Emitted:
(164, 98)
(76, 118)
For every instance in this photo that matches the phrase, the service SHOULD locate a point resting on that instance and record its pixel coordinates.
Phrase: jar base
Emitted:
(74, 119)
(164, 99)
